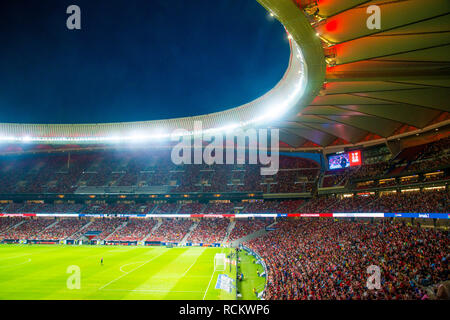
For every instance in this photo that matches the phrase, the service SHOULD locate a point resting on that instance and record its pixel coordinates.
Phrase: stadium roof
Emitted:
(345, 85)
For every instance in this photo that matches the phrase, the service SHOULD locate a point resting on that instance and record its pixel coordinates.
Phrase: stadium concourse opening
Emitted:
(357, 210)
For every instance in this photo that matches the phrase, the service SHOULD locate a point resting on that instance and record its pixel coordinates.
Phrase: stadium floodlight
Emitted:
(156, 134)
(270, 107)
(227, 128)
(220, 263)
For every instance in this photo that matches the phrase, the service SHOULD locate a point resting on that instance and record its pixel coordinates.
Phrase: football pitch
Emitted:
(180, 273)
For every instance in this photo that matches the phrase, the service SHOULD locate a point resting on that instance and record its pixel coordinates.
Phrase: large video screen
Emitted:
(344, 160)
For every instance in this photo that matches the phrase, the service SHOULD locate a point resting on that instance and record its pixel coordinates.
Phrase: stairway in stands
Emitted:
(123, 225)
(252, 236)
(229, 230)
(78, 233)
(14, 226)
(48, 227)
(191, 229)
(153, 229)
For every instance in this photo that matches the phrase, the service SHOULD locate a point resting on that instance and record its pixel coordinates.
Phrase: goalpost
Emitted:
(220, 263)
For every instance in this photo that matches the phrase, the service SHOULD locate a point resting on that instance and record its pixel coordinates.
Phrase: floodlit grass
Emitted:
(251, 278)
(40, 272)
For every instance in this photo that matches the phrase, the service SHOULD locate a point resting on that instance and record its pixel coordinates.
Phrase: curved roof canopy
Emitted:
(346, 83)
(380, 83)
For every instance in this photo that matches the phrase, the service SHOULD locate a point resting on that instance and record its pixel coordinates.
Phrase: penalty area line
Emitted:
(209, 284)
(191, 266)
(212, 276)
(151, 291)
(127, 273)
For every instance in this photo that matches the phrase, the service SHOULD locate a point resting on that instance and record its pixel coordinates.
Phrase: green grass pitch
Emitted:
(181, 273)
(251, 279)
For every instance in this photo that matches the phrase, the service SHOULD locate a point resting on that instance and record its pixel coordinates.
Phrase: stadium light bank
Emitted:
(271, 107)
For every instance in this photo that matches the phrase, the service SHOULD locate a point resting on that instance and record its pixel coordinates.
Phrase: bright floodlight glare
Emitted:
(156, 134)
(271, 106)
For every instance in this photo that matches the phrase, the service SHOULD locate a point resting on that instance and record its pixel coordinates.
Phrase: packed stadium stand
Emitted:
(63, 229)
(102, 227)
(43, 174)
(409, 200)
(34, 174)
(246, 227)
(29, 229)
(209, 231)
(326, 259)
(171, 230)
(134, 230)
(123, 198)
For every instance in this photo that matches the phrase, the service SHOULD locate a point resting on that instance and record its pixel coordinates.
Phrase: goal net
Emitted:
(219, 262)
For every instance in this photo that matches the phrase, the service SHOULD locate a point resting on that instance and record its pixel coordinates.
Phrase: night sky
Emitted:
(135, 60)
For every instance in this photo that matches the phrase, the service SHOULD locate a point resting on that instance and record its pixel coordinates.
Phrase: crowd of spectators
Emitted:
(436, 200)
(353, 204)
(336, 179)
(57, 208)
(318, 204)
(422, 202)
(261, 206)
(29, 229)
(264, 206)
(171, 230)
(325, 259)
(243, 228)
(209, 230)
(135, 230)
(193, 207)
(63, 174)
(166, 208)
(431, 201)
(63, 229)
(370, 170)
(59, 173)
(414, 201)
(8, 223)
(219, 208)
(428, 164)
(129, 208)
(104, 227)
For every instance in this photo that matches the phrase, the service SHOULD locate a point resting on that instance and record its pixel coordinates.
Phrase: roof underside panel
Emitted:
(413, 115)
(435, 98)
(381, 82)
(352, 24)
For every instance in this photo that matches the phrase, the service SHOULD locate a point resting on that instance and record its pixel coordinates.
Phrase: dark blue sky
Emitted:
(134, 60)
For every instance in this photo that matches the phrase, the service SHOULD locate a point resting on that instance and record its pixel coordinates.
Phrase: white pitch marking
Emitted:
(221, 251)
(209, 285)
(18, 256)
(191, 266)
(15, 265)
(129, 264)
(123, 275)
(150, 291)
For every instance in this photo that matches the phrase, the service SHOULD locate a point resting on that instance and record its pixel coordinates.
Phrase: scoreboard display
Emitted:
(344, 160)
